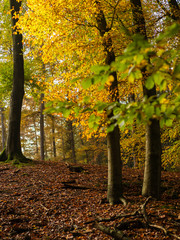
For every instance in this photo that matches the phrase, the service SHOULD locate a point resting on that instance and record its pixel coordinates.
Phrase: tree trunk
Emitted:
(13, 148)
(3, 128)
(113, 138)
(86, 152)
(71, 140)
(152, 171)
(114, 167)
(63, 149)
(53, 136)
(42, 127)
(175, 10)
(35, 131)
(131, 98)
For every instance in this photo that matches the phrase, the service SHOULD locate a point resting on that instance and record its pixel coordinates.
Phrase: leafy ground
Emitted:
(49, 201)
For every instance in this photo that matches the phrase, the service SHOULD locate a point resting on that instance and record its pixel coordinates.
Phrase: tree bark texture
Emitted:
(13, 148)
(113, 138)
(71, 140)
(53, 136)
(152, 171)
(42, 126)
(131, 98)
(36, 138)
(3, 128)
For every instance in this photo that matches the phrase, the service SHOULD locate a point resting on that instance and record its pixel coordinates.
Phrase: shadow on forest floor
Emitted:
(49, 201)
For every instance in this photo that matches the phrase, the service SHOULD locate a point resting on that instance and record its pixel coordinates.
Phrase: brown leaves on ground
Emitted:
(48, 201)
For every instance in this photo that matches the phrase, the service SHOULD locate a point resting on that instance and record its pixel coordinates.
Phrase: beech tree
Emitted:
(13, 146)
(42, 136)
(113, 138)
(3, 127)
(152, 171)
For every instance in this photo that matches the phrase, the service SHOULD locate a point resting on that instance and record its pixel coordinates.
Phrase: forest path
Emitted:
(48, 201)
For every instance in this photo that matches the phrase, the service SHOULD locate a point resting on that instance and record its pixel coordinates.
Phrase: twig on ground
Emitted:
(113, 233)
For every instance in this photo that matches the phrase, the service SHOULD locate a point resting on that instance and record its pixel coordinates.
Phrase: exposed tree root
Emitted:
(3, 156)
(140, 213)
(116, 234)
(123, 201)
(16, 159)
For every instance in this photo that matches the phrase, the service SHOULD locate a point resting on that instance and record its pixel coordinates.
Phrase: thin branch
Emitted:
(126, 30)
(169, 14)
(114, 13)
(82, 24)
(135, 213)
(152, 22)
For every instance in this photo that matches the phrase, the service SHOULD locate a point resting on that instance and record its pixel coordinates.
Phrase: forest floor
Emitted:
(49, 201)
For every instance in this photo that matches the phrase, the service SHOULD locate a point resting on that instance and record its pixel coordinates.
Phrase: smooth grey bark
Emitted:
(53, 136)
(42, 126)
(115, 191)
(152, 171)
(13, 140)
(35, 131)
(63, 148)
(3, 127)
(71, 140)
(13, 147)
(131, 98)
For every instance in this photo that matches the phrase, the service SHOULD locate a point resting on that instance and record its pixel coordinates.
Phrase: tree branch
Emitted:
(169, 14)
(113, 233)
(114, 13)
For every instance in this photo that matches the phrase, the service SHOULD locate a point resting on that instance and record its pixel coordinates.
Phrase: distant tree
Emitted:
(53, 135)
(42, 135)
(71, 141)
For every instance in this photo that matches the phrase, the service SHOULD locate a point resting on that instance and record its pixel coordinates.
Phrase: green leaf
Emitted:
(149, 82)
(87, 83)
(162, 96)
(110, 128)
(76, 110)
(101, 106)
(86, 99)
(149, 110)
(158, 111)
(138, 74)
(97, 69)
(163, 85)
(158, 78)
(66, 112)
(176, 72)
(169, 122)
(139, 58)
(131, 77)
(120, 66)
(177, 89)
